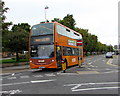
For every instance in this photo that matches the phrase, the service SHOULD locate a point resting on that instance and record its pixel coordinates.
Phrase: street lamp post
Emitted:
(45, 12)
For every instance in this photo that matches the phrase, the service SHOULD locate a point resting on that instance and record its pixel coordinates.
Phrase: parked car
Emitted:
(109, 55)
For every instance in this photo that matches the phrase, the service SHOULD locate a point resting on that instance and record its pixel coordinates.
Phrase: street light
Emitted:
(45, 12)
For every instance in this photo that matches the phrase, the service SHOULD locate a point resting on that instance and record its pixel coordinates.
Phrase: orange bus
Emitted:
(52, 42)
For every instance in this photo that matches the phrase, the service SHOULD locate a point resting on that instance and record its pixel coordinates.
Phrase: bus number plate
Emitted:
(41, 67)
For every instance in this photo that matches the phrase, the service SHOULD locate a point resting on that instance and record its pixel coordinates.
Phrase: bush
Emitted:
(13, 58)
(23, 56)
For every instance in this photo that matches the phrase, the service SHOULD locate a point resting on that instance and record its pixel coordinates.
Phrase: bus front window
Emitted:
(42, 51)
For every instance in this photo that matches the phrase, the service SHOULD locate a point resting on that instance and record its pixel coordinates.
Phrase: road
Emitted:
(97, 75)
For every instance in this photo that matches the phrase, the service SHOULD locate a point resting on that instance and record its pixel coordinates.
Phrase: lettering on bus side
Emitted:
(72, 42)
(73, 59)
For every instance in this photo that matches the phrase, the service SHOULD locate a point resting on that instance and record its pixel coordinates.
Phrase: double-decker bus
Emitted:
(52, 42)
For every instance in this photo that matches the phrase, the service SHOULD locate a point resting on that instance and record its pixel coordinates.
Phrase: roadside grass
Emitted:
(6, 61)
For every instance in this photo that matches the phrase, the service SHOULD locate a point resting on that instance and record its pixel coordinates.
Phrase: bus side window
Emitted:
(67, 51)
(77, 51)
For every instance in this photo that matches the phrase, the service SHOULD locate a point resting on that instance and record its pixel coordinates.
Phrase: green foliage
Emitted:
(5, 25)
(13, 61)
(23, 56)
(17, 38)
(67, 21)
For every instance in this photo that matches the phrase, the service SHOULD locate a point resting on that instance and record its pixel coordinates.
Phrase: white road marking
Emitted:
(96, 66)
(76, 86)
(51, 74)
(92, 66)
(11, 78)
(38, 81)
(14, 83)
(59, 73)
(26, 76)
(37, 76)
(90, 63)
(13, 74)
(116, 87)
(112, 71)
(101, 83)
(10, 92)
(87, 72)
(5, 74)
(108, 69)
(103, 60)
(89, 68)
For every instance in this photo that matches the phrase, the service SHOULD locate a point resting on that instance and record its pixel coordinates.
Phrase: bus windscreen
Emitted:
(42, 51)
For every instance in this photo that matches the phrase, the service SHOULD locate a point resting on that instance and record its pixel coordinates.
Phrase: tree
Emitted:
(4, 25)
(18, 38)
(68, 21)
(56, 20)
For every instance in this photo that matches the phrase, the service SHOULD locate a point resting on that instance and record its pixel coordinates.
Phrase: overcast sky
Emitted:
(100, 17)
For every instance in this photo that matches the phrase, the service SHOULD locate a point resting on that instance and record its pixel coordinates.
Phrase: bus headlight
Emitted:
(52, 60)
(30, 61)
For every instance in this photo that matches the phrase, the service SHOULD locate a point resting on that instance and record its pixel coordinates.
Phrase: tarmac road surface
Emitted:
(97, 75)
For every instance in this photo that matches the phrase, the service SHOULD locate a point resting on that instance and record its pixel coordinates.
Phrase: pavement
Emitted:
(14, 69)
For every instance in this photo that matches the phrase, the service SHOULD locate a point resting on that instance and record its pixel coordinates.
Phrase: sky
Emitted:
(100, 17)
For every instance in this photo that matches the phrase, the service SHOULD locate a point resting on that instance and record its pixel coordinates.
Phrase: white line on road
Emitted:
(90, 63)
(92, 66)
(5, 74)
(26, 76)
(51, 74)
(37, 76)
(10, 92)
(59, 73)
(14, 83)
(11, 78)
(38, 81)
(116, 87)
(76, 86)
(93, 83)
(111, 71)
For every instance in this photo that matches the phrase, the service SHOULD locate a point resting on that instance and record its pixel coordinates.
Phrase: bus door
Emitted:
(58, 55)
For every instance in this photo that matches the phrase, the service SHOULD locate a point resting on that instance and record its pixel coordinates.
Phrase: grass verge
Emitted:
(13, 61)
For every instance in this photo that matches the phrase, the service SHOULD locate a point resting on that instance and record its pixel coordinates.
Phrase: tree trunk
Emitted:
(17, 56)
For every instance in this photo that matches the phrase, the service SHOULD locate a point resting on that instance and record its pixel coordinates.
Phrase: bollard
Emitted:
(79, 62)
(63, 65)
